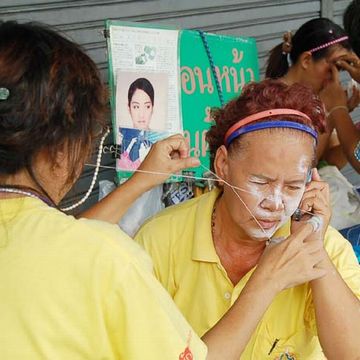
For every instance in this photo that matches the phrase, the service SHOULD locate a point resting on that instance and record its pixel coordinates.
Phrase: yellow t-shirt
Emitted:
(81, 289)
(180, 243)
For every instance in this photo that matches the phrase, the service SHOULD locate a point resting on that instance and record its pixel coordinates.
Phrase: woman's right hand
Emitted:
(293, 261)
(166, 157)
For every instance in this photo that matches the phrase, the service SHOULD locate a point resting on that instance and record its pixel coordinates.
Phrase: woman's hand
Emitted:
(298, 258)
(316, 200)
(333, 95)
(293, 261)
(166, 157)
(350, 63)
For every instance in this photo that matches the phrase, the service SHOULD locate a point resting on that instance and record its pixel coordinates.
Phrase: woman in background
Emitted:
(307, 58)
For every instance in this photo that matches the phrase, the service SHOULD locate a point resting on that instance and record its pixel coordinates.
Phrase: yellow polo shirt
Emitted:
(81, 289)
(180, 243)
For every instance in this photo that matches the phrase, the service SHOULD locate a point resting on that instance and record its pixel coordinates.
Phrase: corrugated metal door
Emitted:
(82, 20)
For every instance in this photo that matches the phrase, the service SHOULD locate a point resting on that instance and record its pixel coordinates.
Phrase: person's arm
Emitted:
(335, 100)
(290, 263)
(337, 309)
(323, 143)
(348, 134)
(167, 156)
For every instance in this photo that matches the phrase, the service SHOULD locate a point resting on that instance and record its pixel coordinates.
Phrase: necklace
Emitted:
(27, 192)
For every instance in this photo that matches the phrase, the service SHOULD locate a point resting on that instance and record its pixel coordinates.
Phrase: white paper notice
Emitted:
(146, 78)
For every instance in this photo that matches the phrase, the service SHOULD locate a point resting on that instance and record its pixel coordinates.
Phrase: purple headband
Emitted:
(269, 125)
(330, 43)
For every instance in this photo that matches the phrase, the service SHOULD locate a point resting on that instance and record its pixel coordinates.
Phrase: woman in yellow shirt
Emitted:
(207, 250)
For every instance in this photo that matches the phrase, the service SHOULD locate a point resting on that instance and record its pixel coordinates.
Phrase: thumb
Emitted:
(181, 164)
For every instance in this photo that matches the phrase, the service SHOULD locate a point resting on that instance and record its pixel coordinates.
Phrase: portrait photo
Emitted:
(141, 100)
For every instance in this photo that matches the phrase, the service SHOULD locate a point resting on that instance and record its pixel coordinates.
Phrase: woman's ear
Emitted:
(305, 60)
(221, 163)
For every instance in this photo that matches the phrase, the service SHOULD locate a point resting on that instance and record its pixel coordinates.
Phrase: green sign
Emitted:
(235, 63)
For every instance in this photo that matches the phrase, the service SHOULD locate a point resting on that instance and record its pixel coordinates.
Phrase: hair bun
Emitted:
(287, 43)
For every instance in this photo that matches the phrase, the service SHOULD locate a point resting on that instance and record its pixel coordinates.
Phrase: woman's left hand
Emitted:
(333, 94)
(316, 200)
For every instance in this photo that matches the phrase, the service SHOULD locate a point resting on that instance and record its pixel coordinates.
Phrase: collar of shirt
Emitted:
(203, 246)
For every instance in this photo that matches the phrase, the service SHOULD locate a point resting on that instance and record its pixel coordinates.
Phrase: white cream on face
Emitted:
(272, 172)
(281, 205)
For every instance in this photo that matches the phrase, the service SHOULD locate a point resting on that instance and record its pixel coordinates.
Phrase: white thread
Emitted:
(232, 187)
(93, 181)
(174, 175)
(246, 207)
(189, 177)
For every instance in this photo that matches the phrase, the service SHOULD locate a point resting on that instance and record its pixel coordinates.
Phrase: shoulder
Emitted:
(340, 251)
(334, 241)
(92, 238)
(173, 224)
(162, 234)
(185, 213)
(173, 214)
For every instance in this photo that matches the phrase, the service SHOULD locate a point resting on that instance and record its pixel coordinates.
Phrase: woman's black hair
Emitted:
(310, 35)
(141, 84)
(55, 99)
(351, 22)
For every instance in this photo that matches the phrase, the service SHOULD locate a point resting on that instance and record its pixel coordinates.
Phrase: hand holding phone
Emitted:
(314, 203)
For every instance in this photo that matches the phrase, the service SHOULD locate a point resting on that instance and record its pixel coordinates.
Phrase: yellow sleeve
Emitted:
(343, 257)
(145, 322)
(157, 244)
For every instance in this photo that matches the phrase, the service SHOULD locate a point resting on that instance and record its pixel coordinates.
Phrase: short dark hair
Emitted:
(141, 84)
(56, 98)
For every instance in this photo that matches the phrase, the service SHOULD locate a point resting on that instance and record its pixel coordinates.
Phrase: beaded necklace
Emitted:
(26, 192)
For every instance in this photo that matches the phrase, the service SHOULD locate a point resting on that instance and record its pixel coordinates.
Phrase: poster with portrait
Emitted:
(162, 83)
(141, 100)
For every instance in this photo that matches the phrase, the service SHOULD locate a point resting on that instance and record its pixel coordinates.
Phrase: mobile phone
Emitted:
(298, 213)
